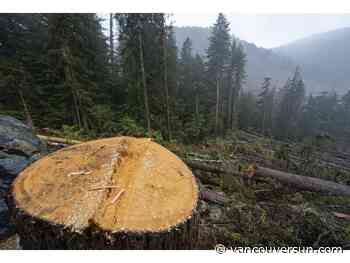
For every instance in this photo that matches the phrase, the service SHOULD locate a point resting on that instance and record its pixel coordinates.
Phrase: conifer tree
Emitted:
(238, 75)
(265, 105)
(290, 107)
(218, 54)
(77, 67)
(141, 55)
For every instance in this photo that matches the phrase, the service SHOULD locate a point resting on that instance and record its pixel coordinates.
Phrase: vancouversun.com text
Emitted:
(222, 249)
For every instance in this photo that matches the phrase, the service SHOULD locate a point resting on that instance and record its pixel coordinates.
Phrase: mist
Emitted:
(268, 31)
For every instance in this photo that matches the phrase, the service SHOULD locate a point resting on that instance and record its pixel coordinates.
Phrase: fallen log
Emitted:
(298, 181)
(58, 140)
(305, 182)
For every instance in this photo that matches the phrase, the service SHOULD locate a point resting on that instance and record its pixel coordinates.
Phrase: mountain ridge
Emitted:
(280, 62)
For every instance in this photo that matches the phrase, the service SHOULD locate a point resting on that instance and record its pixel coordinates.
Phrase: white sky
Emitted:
(268, 30)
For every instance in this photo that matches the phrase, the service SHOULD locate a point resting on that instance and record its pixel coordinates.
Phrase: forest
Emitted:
(265, 157)
(65, 71)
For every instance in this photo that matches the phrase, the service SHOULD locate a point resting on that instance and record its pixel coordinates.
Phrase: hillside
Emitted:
(324, 57)
(321, 57)
(261, 62)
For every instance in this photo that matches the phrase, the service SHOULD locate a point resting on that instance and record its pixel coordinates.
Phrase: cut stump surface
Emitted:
(120, 184)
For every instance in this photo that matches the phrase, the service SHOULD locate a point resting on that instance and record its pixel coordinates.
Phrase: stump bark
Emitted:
(116, 193)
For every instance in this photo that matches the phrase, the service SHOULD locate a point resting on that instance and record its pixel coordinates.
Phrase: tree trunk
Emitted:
(69, 77)
(165, 62)
(217, 106)
(229, 107)
(299, 181)
(115, 193)
(263, 119)
(145, 93)
(305, 182)
(111, 38)
(29, 120)
(197, 104)
(235, 107)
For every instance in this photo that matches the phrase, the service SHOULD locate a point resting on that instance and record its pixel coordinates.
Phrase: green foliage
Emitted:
(156, 136)
(282, 152)
(219, 45)
(194, 130)
(248, 112)
(128, 126)
(71, 132)
(265, 106)
(290, 107)
(308, 150)
(104, 120)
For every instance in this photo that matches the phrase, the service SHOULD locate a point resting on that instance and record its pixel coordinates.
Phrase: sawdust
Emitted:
(149, 189)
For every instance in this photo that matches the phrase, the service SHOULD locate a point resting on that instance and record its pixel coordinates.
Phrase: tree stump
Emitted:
(116, 193)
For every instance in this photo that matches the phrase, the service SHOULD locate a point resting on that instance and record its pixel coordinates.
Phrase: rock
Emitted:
(4, 219)
(17, 138)
(19, 147)
(3, 207)
(12, 164)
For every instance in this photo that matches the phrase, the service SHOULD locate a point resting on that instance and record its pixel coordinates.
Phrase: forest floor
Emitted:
(266, 212)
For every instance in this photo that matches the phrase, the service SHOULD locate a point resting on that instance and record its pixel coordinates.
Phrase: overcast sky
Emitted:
(268, 30)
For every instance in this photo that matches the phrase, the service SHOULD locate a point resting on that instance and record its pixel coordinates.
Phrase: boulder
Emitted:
(19, 147)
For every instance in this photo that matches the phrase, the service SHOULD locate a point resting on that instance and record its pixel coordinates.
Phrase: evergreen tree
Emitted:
(290, 107)
(248, 112)
(186, 73)
(22, 39)
(141, 54)
(77, 70)
(265, 105)
(186, 90)
(218, 54)
(320, 115)
(238, 75)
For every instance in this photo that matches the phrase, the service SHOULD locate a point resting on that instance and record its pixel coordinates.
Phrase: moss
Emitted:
(347, 232)
(236, 237)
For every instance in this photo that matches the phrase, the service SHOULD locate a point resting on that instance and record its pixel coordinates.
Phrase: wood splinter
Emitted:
(79, 173)
(115, 199)
(103, 187)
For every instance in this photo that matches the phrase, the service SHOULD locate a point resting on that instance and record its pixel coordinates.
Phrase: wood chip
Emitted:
(117, 196)
(79, 173)
(103, 187)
